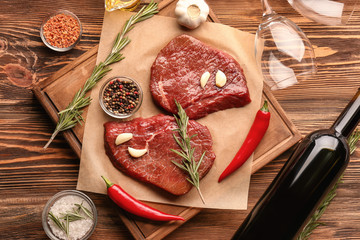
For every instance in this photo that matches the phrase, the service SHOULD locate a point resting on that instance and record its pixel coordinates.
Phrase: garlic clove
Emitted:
(123, 137)
(204, 79)
(220, 79)
(136, 152)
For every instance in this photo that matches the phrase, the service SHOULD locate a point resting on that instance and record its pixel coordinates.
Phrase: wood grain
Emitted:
(55, 92)
(29, 177)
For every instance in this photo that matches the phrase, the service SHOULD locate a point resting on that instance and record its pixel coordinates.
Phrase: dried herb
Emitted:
(314, 221)
(69, 117)
(61, 225)
(188, 164)
(85, 210)
(72, 217)
(353, 139)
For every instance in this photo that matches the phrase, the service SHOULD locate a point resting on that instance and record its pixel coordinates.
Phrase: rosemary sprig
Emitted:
(61, 225)
(72, 217)
(314, 221)
(189, 164)
(353, 139)
(85, 210)
(69, 117)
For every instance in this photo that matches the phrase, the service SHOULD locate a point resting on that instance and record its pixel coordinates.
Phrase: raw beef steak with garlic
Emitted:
(156, 135)
(177, 71)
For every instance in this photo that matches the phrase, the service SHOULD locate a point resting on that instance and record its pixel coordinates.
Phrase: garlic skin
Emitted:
(191, 13)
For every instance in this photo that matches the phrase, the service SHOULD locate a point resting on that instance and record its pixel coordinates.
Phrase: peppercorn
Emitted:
(121, 96)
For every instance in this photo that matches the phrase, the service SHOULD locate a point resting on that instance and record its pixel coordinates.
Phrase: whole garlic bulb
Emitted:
(191, 13)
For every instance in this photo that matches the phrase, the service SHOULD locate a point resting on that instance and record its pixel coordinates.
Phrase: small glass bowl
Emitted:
(43, 38)
(55, 198)
(122, 79)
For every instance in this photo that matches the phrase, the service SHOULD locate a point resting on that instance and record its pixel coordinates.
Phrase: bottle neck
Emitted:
(349, 118)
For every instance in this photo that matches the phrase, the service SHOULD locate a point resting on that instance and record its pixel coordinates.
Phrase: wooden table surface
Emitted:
(29, 176)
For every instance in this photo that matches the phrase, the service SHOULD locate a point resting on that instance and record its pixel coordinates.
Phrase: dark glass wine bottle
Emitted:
(308, 175)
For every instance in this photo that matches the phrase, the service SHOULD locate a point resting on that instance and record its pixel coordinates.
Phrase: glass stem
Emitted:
(267, 10)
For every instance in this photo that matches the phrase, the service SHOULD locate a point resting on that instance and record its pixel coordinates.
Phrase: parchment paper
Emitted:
(228, 128)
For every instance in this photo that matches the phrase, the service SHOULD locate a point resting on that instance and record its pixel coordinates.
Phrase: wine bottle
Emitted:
(308, 175)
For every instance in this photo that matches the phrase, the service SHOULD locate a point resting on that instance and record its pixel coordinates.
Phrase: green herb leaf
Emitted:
(67, 225)
(314, 221)
(72, 216)
(58, 223)
(353, 139)
(69, 117)
(85, 210)
(187, 152)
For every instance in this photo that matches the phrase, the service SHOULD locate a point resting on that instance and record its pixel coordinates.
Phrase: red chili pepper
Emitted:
(256, 133)
(130, 204)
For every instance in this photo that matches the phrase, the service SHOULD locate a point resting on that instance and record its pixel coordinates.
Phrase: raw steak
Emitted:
(156, 134)
(176, 74)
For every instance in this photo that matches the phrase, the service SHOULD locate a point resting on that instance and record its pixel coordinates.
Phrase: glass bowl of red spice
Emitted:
(120, 97)
(61, 30)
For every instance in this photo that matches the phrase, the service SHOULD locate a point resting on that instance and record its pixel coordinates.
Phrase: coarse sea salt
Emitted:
(77, 229)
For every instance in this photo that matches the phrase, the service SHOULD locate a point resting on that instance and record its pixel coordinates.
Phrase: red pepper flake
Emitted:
(61, 30)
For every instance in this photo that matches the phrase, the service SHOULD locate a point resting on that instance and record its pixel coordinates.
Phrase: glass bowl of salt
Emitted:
(69, 214)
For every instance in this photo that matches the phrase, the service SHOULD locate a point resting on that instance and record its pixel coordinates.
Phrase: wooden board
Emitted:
(55, 92)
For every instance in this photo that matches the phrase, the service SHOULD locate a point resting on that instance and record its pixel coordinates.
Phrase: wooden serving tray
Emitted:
(55, 93)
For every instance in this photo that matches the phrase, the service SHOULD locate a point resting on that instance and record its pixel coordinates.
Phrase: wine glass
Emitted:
(328, 12)
(282, 50)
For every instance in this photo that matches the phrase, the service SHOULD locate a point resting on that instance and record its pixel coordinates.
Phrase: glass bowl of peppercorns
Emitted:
(120, 97)
(61, 30)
